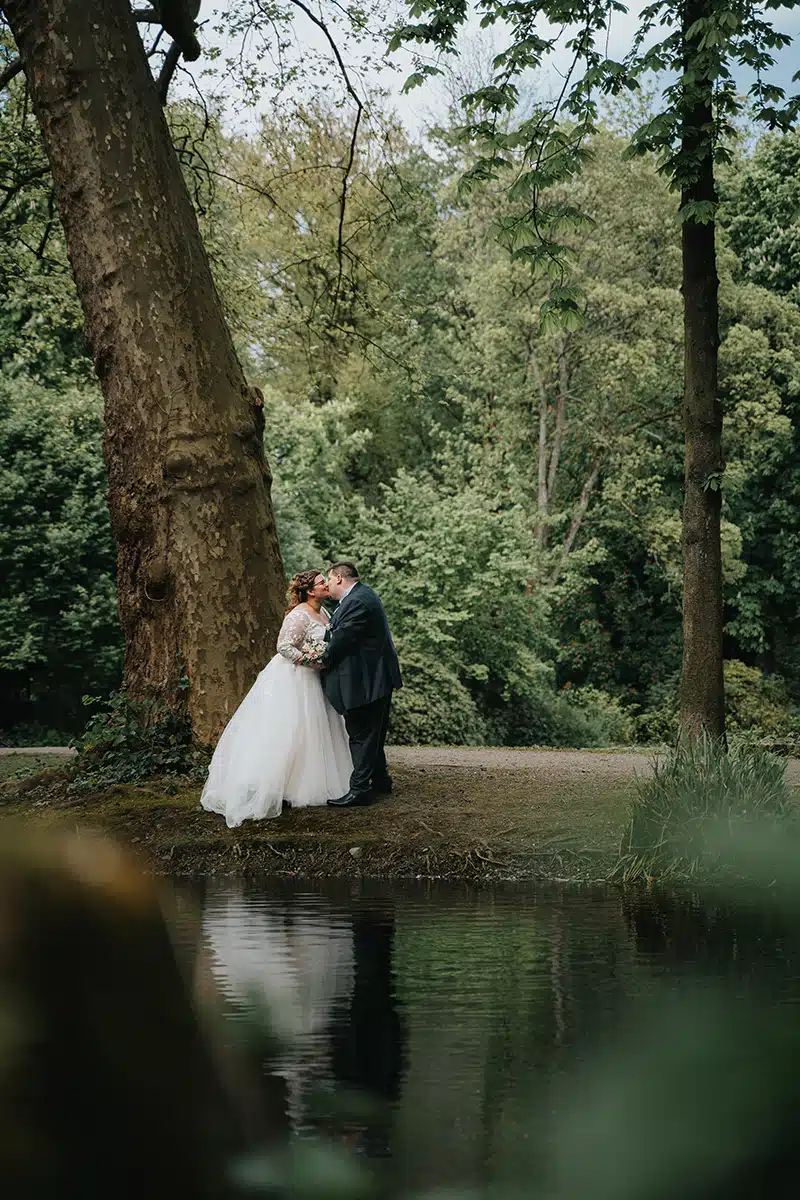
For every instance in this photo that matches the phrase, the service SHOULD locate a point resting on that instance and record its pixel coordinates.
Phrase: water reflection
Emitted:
(455, 1030)
(323, 977)
(584, 1046)
(367, 1032)
(423, 1024)
(749, 941)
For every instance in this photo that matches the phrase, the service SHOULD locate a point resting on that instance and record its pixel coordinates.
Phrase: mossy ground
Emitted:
(489, 814)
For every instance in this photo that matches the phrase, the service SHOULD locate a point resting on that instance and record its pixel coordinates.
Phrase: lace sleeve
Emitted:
(293, 643)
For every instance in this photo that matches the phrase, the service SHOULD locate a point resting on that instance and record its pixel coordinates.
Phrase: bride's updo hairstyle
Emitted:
(299, 587)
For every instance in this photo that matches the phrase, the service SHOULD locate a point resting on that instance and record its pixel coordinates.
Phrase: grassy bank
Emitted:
(459, 814)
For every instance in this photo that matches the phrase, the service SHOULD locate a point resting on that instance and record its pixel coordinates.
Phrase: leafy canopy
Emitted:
(535, 153)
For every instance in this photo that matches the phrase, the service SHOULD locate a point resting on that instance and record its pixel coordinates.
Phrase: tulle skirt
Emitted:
(284, 742)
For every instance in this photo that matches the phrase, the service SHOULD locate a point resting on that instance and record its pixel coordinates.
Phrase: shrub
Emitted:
(755, 704)
(433, 707)
(453, 562)
(33, 734)
(605, 721)
(688, 815)
(658, 724)
(542, 716)
(130, 739)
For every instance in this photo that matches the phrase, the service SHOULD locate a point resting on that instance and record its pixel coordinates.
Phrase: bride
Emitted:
(285, 741)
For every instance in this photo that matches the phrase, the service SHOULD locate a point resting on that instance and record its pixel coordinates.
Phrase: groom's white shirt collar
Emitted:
(349, 590)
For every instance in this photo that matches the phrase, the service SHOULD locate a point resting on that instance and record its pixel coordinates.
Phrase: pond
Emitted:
(461, 1037)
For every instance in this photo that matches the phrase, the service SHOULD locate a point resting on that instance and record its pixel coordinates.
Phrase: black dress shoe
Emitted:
(353, 800)
(383, 786)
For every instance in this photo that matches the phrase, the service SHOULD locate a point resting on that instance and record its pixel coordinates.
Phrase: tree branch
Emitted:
(577, 518)
(13, 189)
(179, 20)
(12, 70)
(146, 16)
(156, 40)
(352, 152)
(167, 71)
(49, 226)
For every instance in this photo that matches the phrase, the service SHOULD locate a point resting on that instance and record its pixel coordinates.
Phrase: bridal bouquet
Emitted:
(312, 654)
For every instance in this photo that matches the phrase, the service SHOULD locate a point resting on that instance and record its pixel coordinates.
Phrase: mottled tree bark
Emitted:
(702, 686)
(199, 568)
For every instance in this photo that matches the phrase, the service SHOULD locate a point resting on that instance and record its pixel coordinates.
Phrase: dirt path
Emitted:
(455, 813)
(621, 764)
(440, 756)
(57, 751)
(610, 764)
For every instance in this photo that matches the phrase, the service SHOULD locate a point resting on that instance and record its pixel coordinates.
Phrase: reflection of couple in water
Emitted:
(325, 978)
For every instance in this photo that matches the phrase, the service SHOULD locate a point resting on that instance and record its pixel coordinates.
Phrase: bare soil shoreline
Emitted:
(456, 813)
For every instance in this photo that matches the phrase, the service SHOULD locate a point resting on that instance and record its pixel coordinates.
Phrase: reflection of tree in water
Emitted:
(367, 1034)
(711, 934)
(499, 992)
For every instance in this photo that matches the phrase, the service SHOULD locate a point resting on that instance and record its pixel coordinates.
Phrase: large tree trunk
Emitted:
(199, 568)
(702, 687)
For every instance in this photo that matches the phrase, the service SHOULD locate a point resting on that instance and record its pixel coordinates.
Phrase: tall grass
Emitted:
(690, 816)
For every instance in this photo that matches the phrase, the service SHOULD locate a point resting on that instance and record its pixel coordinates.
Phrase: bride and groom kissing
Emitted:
(312, 728)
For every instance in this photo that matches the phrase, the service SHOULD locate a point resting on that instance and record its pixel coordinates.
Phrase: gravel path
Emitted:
(613, 766)
(57, 751)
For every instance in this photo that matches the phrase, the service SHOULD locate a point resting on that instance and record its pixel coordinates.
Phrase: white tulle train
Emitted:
(284, 742)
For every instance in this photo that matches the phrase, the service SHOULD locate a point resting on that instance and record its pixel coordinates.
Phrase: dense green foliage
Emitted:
(700, 50)
(512, 490)
(430, 474)
(59, 635)
(761, 214)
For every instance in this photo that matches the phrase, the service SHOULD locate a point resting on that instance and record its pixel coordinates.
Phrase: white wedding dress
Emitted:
(285, 741)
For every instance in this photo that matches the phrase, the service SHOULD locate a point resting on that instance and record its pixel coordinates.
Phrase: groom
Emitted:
(360, 673)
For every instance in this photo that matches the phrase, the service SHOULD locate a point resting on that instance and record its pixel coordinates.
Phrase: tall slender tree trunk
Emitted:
(548, 462)
(702, 686)
(199, 568)
(542, 498)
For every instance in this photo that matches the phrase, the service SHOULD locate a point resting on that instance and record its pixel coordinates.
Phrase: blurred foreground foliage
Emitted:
(692, 1091)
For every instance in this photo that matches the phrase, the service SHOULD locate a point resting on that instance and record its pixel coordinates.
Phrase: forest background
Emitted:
(512, 489)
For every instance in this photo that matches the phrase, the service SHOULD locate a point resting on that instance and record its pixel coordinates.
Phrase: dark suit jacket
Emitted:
(360, 661)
